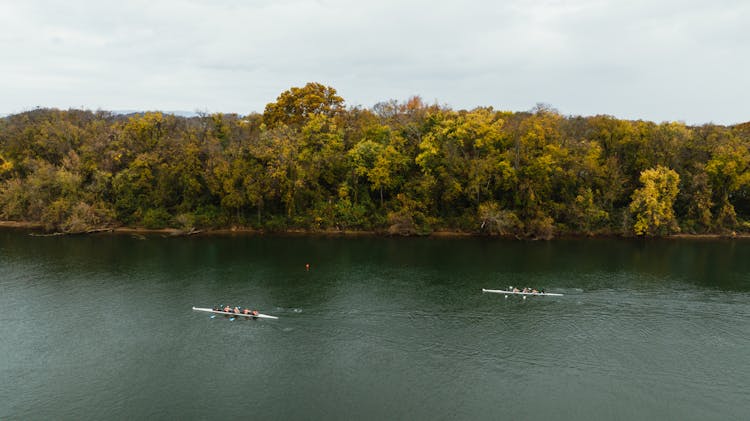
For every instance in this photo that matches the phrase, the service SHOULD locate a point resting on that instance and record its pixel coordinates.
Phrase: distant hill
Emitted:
(178, 113)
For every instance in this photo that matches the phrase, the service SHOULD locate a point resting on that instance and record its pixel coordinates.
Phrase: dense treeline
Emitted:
(310, 163)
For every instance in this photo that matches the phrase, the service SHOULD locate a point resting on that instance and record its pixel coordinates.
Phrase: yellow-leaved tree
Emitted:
(652, 204)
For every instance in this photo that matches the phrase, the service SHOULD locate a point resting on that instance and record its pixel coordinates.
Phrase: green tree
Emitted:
(377, 159)
(729, 171)
(279, 153)
(699, 215)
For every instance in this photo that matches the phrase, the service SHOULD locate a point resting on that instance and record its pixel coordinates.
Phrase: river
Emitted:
(101, 327)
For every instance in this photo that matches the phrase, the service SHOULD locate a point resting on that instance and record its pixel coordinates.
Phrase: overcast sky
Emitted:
(659, 60)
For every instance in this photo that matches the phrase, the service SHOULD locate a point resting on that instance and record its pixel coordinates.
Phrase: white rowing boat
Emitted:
(231, 313)
(502, 291)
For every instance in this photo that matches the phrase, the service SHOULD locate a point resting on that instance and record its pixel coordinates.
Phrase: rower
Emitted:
(236, 310)
(246, 311)
(255, 312)
(227, 309)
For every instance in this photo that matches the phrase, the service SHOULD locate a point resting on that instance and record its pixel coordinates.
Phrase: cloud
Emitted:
(656, 60)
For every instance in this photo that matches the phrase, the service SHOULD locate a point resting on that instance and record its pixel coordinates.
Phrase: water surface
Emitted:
(101, 327)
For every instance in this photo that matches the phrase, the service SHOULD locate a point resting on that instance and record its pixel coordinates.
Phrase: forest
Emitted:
(310, 163)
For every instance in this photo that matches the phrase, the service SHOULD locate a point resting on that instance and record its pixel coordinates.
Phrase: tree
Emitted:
(279, 151)
(6, 167)
(653, 203)
(294, 106)
(694, 203)
(379, 161)
(499, 221)
(729, 171)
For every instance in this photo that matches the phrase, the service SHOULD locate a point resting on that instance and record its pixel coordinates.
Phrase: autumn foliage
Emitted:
(308, 162)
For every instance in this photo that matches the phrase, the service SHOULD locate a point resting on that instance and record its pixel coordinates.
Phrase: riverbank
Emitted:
(174, 232)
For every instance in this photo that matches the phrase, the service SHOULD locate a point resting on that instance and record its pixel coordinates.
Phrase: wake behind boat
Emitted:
(252, 314)
(524, 293)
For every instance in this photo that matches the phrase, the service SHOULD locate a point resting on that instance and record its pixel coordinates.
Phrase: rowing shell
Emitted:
(500, 291)
(259, 315)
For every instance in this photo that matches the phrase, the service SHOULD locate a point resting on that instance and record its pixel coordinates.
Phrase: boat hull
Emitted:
(254, 316)
(501, 291)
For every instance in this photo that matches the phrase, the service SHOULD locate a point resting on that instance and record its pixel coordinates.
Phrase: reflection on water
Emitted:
(101, 326)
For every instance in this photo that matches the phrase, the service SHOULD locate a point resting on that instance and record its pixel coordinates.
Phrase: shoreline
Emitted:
(175, 232)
